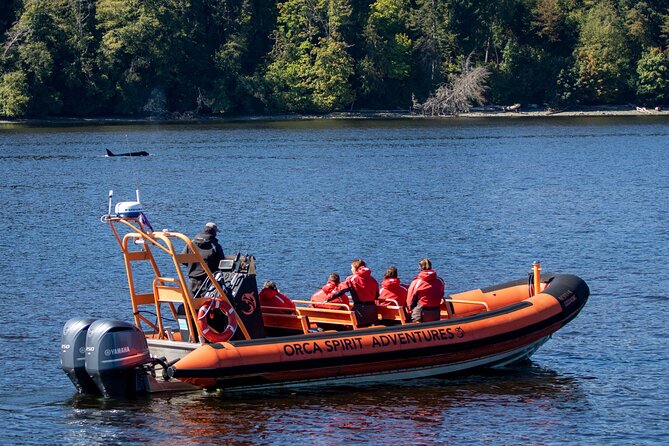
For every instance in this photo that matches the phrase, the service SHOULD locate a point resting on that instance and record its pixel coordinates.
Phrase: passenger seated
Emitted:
(425, 294)
(270, 296)
(391, 288)
(325, 294)
(364, 291)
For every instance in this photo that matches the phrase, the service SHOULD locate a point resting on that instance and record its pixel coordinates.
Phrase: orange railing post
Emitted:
(536, 267)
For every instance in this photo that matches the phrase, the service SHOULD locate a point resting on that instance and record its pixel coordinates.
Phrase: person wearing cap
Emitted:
(211, 252)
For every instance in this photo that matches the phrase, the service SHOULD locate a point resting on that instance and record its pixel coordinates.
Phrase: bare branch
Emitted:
(459, 95)
(17, 32)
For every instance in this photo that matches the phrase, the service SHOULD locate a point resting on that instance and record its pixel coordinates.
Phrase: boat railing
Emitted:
(447, 305)
(331, 305)
(342, 314)
(281, 310)
(394, 312)
(285, 318)
(138, 246)
(339, 314)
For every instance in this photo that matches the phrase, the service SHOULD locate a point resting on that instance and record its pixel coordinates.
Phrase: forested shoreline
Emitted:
(185, 58)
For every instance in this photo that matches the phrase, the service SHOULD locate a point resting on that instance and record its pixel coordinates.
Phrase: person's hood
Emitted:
(363, 271)
(428, 275)
(329, 287)
(391, 283)
(269, 293)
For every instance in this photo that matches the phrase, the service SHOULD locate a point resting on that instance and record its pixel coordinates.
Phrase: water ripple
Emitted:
(481, 199)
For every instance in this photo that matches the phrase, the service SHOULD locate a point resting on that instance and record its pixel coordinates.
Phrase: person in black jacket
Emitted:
(211, 252)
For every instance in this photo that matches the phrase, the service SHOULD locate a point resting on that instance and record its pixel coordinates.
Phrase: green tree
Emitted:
(434, 43)
(664, 29)
(244, 28)
(554, 26)
(52, 46)
(14, 99)
(526, 74)
(310, 67)
(8, 14)
(602, 57)
(387, 61)
(160, 53)
(652, 85)
(450, 34)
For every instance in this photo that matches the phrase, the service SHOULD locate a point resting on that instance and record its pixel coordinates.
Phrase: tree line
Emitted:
(190, 57)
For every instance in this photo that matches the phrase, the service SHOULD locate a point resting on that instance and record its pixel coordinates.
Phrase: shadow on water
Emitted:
(375, 412)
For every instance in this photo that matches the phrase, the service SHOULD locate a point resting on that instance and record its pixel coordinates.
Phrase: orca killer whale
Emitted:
(141, 153)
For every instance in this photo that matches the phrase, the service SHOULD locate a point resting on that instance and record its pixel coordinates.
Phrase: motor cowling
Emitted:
(115, 354)
(73, 354)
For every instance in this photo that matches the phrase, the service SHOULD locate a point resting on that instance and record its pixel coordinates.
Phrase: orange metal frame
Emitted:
(166, 289)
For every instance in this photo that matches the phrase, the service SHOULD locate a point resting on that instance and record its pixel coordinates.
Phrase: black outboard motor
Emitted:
(73, 354)
(115, 354)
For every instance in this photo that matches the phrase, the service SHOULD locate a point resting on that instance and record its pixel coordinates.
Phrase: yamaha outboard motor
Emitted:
(73, 354)
(115, 354)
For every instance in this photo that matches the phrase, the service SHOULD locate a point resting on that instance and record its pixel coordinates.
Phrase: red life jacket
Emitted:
(391, 288)
(273, 298)
(426, 289)
(324, 293)
(362, 284)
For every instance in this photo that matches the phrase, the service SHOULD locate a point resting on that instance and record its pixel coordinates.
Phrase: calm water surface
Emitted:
(482, 199)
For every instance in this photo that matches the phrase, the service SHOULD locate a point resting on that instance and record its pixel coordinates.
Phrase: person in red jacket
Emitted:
(391, 288)
(270, 296)
(425, 294)
(325, 293)
(364, 291)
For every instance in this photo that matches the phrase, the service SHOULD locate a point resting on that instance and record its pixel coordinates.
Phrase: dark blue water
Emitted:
(482, 199)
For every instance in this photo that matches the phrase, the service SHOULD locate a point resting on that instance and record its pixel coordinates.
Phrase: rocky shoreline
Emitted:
(479, 112)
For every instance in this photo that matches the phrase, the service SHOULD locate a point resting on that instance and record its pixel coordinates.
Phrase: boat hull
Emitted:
(488, 339)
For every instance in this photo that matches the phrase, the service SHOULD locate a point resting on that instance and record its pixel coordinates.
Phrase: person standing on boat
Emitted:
(391, 288)
(270, 296)
(364, 290)
(325, 293)
(425, 294)
(211, 252)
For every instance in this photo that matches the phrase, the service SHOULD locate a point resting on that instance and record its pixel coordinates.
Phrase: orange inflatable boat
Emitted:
(223, 339)
(488, 327)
